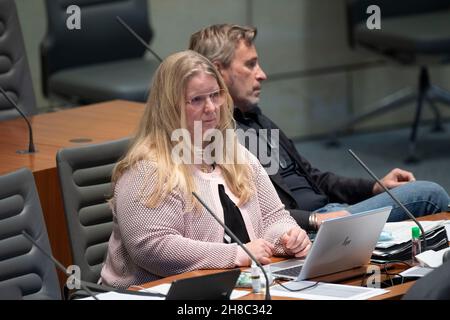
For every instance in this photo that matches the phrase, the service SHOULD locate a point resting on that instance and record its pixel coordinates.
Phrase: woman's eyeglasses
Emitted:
(216, 97)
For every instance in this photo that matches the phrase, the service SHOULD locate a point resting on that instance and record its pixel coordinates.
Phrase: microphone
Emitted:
(31, 148)
(84, 284)
(126, 26)
(424, 240)
(57, 263)
(239, 242)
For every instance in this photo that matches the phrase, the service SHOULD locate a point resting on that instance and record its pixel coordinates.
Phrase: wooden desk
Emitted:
(53, 131)
(352, 277)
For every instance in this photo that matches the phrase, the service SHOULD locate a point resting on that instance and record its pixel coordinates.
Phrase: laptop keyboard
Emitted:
(291, 272)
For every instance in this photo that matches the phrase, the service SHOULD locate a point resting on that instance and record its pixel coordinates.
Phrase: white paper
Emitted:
(164, 289)
(325, 291)
(401, 231)
(236, 294)
(121, 296)
(431, 258)
(416, 272)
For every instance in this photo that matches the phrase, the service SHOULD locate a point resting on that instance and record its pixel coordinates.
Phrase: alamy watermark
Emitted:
(208, 148)
(73, 281)
(73, 22)
(374, 21)
(374, 279)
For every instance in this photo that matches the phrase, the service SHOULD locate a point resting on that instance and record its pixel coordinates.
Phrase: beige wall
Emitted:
(32, 18)
(294, 35)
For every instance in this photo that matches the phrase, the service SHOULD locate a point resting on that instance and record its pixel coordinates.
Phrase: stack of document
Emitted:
(399, 247)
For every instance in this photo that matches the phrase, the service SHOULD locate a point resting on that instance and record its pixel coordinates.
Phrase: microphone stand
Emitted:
(142, 41)
(424, 240)
(58, 264)
(84, 284)
(31, 148)
(239, 242)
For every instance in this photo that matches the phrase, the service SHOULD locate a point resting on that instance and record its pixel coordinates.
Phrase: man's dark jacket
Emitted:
(337, 189)
(434, 286)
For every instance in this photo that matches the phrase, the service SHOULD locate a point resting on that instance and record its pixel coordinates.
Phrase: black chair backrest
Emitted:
(85, 176)
(356, 9)
(15, 77)
(22, 266)
(101, 37)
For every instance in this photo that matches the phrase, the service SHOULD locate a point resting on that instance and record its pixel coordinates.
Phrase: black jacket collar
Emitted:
(248, 116)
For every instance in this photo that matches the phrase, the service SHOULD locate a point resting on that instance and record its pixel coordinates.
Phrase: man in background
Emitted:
(310, 195)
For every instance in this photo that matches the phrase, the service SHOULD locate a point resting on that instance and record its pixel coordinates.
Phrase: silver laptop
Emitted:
(341, 244)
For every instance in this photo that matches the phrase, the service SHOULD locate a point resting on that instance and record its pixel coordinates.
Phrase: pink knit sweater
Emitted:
(150, 243)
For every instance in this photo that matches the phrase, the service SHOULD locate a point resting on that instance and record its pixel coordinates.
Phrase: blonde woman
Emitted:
(159, 229)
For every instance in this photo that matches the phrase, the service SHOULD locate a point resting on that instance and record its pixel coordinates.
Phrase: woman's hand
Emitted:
(296, 242)
(261, 249)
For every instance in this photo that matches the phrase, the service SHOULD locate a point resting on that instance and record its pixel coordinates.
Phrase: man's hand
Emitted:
(296, 242)
(321, 217)
(261, 249)
(393, 179)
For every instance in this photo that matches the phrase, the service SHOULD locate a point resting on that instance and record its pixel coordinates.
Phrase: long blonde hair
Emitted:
(165, 113)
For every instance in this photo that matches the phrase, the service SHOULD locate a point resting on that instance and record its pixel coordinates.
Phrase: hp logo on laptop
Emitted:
(346, 242)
